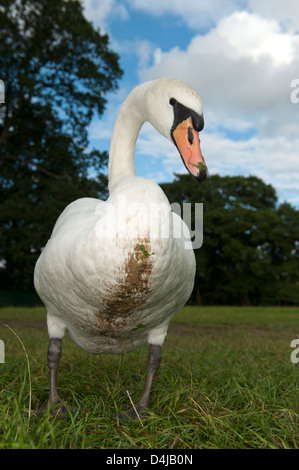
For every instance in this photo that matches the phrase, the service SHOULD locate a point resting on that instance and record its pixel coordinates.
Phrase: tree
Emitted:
(284, 248)
(250, 247)
(57, 70)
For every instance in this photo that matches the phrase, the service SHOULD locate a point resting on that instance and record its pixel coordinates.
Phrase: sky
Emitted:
(242, 57)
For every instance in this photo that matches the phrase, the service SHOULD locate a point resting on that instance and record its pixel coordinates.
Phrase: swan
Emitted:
(113, 273)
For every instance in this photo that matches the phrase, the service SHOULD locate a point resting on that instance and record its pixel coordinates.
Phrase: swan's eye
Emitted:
(172, 101)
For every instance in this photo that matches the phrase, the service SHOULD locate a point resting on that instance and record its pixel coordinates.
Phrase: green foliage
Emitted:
(57, 70)
(250, 247)
(201, 166)
(143, 250)
(138, 327)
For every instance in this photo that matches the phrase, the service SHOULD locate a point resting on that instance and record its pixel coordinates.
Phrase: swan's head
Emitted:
(175, 110)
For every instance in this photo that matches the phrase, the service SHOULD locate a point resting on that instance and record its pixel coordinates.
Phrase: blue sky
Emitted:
(241, 56)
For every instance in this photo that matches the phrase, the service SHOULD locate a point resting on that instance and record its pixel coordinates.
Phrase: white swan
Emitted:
(114, 273)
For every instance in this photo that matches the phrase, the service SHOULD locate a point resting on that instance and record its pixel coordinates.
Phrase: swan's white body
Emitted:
(107, 275)
(101, 289)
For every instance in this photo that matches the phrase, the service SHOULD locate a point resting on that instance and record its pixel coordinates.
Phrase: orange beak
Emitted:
(188, 144)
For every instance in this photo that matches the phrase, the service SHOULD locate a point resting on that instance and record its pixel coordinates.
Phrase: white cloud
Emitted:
(248, 35)
(99, 12)
(196, 14)
(243, 69)
(286, 12)
(237, 67)
(275, 161)
(144, 51)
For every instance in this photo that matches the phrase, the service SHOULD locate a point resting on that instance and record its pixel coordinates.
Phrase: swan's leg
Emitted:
(54, 355)
(153, 363)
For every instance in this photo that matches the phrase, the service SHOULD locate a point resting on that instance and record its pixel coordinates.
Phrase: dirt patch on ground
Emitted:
(261, 332)
(220, 330)
(181, 330)
(196, 330)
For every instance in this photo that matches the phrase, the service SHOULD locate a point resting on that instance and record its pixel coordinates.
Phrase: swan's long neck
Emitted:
(126, 129)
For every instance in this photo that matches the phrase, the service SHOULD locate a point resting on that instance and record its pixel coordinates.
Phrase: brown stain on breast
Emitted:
(130, 292)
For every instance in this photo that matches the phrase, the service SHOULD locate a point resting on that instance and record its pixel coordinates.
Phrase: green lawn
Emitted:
(226, 381)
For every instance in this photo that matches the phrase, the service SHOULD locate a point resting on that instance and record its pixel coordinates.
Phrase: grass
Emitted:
(226, 381)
